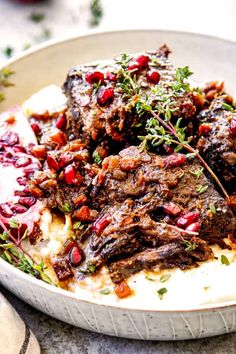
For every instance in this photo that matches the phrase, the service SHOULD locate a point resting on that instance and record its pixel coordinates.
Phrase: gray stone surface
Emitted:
(56, 337)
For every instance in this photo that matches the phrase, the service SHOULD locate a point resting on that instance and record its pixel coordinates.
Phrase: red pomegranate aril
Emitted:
(171, 209)
(31, 169)
(65, 159)
(143, 61)
(52, 163)
(105, 96)
(101, 223)
(23, 161)
(9, 138)
(194, 227)
(27, 201)
(204, 129)
(61, 121)
(75, 256)
(36, 128)
(70, 174)
(19, 209)
(175, 160)
(187, 219)
(22, 181)
(111, 77)
(153, 76)
(19, 193)
(5, 210)
(94, 77)
(133, 67)
(69, 244)
(233, 127)
(39, 151)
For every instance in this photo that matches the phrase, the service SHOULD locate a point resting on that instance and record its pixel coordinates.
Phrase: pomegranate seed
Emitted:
(105, 96)
(65, 158)
(27, 201)
(171, 209)
(153, 76)
(9, 138)
(175, 160)
(22, 181)
(168, 149)
(19, 193)
(187, 219)
(133, 67)
(5, 210)
(36, 128)
(58, 137)
(52, 163)
(61, 121)
(14, 149)
(23, 161)
(19, 209)
(69, 244)
(75, 256)
(111, 77)
(28, 171)
(143, 61)
(233, 127)
(101, 223)
(39, 151)
(94, 77)
(194, 227)
(204, 129)
(69, 174)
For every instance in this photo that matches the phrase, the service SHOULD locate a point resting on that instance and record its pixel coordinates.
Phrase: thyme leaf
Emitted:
(161, 292)
(105, 291)
(224, 260)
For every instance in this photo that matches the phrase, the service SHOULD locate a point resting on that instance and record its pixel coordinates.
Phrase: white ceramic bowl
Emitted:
(210, 58)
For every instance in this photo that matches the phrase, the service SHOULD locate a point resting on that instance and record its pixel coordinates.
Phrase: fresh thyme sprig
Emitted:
(14, 253)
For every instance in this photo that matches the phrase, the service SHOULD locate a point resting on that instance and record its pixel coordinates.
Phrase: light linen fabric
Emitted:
(15, 336)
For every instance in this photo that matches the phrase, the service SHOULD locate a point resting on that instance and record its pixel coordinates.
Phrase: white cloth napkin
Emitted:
(15, 336)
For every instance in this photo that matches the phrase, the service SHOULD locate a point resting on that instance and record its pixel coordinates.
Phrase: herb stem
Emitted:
(169, 126)
(16, 243)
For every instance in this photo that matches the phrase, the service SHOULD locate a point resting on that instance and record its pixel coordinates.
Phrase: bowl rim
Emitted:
(59, 291)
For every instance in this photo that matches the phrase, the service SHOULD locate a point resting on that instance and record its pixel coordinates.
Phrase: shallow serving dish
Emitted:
(210, 58)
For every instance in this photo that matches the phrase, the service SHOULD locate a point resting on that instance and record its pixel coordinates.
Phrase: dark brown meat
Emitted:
(116, 123)
(156, 186)
(158, 201)
(217, 140)
(166, 256)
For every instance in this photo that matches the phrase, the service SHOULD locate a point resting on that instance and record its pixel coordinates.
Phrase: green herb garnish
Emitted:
(5, 73)
(36, 17)
(197, 173)
(96, 12)
(161, 292)
(190, 246)
(212, 208)
(201, 189)
(105, 291)
(224, 260)
(97, 158)
(8, 51)
(66, 208)
(165, 277)
(227, 106)
(78, 226)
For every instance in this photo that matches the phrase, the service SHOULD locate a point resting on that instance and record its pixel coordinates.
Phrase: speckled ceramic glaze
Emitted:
(210, 58)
